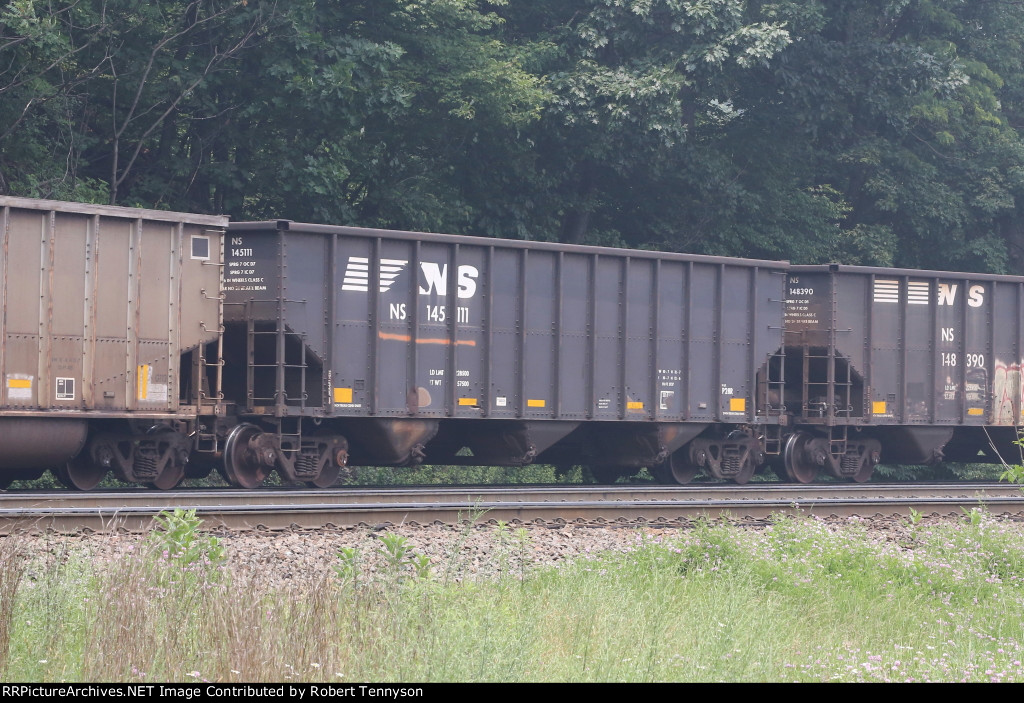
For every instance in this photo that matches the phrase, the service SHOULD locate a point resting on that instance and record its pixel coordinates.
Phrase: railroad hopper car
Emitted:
(900, 366)
(157, 345)
(108, 314)
(368, 347)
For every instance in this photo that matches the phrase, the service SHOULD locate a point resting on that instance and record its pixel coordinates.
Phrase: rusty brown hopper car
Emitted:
(106, 313)
(902, 366)
(378, 347)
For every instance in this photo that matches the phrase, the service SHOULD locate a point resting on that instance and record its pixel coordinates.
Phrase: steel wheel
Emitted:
(750, 460)
(864, 475)
(174, 471)
(866, 469)
(80, 474)
(746, 473)
(327, 477)
(796, 462)
(242, 467)
(171, 476)
(674, 471)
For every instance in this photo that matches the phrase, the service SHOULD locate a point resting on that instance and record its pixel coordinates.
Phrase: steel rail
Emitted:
(134, 510)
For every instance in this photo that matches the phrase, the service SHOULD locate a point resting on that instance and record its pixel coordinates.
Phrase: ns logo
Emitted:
(975, 294)
(433, 276)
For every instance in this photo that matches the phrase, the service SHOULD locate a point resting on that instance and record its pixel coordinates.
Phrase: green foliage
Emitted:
(395, 550)
(420, 564)
(512, 544)
(179, 540)
(939, 472)
(399, 557)
(974, 515)
(798, 599)
(1013, 474)
(869, 132)
(443, 475)
(348, 567)
(105, 99)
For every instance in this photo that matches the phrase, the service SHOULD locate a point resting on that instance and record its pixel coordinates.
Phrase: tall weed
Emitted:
(12, 569)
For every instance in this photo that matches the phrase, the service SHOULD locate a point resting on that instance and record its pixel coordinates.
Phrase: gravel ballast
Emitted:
(456, 553)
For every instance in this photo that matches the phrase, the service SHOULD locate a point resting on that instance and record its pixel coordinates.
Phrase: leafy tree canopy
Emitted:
(867, 131)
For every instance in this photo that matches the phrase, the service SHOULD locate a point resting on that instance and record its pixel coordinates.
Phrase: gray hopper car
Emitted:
(902, 366)
(378, 347)
(157, 345)
(106, 312)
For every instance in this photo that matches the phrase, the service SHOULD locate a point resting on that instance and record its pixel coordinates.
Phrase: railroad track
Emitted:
(133, 510)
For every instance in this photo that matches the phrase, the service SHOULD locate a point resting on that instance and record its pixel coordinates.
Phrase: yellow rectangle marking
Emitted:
(975, 411)
(19, 383)
(342, 395)
(531, 403)
(468, 401)
(634, 405)
(142, 381)
(738, 405)
(878, 407)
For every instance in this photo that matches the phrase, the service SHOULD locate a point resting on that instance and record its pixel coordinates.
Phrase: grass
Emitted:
(801, 600)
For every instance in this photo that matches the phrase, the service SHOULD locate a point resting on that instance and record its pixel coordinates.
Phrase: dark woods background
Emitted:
(868, 131)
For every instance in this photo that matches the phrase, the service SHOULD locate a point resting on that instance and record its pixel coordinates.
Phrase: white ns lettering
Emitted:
(436, 278)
